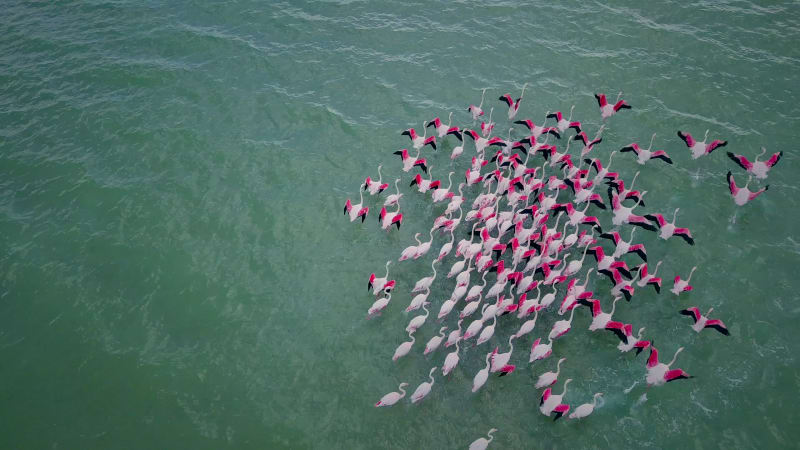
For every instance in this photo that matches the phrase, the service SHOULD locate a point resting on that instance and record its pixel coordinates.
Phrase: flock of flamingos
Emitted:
(529, 225)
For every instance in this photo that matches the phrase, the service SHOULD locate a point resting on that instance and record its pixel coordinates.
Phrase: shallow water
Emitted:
(176, 270)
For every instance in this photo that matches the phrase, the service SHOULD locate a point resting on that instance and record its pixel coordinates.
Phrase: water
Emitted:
(176, 270)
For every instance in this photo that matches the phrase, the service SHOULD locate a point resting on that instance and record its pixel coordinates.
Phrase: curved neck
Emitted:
(565, 384)
(402, 390)
(675, 357)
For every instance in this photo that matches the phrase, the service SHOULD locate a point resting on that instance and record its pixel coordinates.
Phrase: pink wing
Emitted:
(633, 147)
(693, 312)
(601, 99)
(714, 144)
(774, 159)
(545, 395)
(596, 309)
(659, 219)
(621, 104)
(743, 162)
(676, 374)
(732, 184)
(755, 194)
(687, 138)
(507, 98)
(652, 361)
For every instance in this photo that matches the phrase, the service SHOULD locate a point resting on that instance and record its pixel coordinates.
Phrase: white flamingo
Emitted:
(423, 389)
(586, 408)
(392, 397)
(549, 378)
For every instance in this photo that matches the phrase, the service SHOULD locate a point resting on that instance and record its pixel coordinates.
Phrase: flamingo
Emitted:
(375, 187)
(528, 325)
(440, 194)
(757, 168)
(487, 127)
(425, 283)
(742, 196)
(473, 177)
(536, 131)
(481, 142)
(586, 408)
(423, 389)
(454, 336)
(644, 155)
(602, 172)
(477, 290)
(462, 279)
(447, 247)
(659, 373)
(601, 320)
(450, 361)
(420, 141)
(392, 397)
(629, 343)
(441, 129)
(456, 200)
(621, 285)
(606, 109)
(563, 124)
(411, 250)
(356, 211)
(551, 403)
(646, 278)
(392, 199)
(418, 300)
(424, 186)
(700, 148)
(669, 229)
(387, 219)
(577, 217)
(458, 150)
(624, 214)
(434, 342)
(622, 247)
(482, 443)
(588, 145)
(379, 284)
(500, 360)
(379, 305)
(513, 106)
(702, 321)
(405, 347)
(574, 293)
(541, 351)
(418, 321)
(624, 194)
(548, 298)
(476, 111)
(409, 162)
(606, 262)
(482, 375)
(487, 332)
(549, 378)
(561, 327)
(448, 305)
(424, 247)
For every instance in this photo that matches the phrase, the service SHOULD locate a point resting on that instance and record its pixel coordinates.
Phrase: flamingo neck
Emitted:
(565, 384)
(675, 357)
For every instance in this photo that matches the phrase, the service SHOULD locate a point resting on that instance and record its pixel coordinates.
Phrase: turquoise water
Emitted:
(176, 271)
